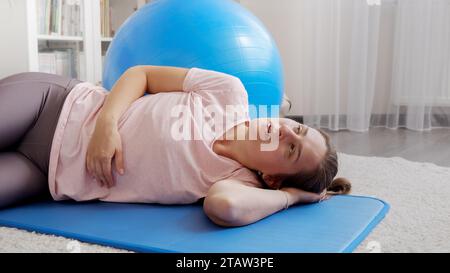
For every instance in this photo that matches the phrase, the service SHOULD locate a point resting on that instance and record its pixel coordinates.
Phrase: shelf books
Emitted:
(59, 61)
(59, 17)
(105, 15)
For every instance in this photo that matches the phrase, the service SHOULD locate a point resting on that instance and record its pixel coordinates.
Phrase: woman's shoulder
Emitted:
(248, 177)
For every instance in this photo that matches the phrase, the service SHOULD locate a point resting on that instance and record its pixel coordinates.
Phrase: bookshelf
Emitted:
(65, 37)
(112, 15)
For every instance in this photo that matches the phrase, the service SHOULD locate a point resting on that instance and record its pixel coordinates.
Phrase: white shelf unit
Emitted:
(59, 38)
(26, 46)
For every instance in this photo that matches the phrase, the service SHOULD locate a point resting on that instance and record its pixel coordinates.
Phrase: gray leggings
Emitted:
(30, 104)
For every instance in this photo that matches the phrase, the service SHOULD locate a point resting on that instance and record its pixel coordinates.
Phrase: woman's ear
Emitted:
(273, 181)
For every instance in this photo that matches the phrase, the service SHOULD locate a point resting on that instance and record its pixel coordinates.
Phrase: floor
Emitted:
(428, 146)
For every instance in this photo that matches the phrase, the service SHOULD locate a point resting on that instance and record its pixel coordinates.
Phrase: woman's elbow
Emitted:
(222, 211)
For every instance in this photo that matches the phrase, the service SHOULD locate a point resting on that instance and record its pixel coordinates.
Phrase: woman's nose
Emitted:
(285, 132)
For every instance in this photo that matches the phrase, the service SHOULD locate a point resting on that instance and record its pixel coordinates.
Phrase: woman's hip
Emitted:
(42, 95)
(63, 81)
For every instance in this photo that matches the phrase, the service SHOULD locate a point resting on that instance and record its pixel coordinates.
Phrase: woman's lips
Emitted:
(267, 134)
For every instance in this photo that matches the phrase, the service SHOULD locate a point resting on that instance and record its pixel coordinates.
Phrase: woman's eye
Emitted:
(299, 128)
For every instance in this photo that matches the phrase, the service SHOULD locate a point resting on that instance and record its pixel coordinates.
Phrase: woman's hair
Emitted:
(323, 177)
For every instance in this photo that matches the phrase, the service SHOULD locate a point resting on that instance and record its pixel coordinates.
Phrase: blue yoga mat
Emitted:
(336, 225)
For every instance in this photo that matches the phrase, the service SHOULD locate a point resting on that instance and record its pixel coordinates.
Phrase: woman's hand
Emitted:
(300, 196)
(103, 146)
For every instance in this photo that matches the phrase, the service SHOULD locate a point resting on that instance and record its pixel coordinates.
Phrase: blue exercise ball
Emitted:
(218, 35)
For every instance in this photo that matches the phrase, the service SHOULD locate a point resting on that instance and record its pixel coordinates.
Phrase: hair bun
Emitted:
(340, 185)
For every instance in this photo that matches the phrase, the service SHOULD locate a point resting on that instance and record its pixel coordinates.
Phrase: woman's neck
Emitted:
(232, 142)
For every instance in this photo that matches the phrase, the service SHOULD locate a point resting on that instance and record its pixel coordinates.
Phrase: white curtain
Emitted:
(367, 63)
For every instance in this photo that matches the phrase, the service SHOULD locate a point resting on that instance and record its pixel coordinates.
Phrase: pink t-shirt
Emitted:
(162, 165)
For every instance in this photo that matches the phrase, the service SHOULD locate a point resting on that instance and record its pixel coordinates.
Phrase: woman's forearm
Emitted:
(236, 204)
(128, 88)
(258, 205)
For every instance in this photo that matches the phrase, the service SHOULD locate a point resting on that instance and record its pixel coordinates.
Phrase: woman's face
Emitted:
(284, 147)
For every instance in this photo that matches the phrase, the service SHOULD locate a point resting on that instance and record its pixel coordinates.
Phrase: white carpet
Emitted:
(419, 219)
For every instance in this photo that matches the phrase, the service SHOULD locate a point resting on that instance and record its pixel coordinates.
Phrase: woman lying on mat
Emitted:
(191, 138)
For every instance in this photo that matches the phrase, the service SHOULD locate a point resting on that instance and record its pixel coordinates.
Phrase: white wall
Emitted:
(281, 18)
(13, 37)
